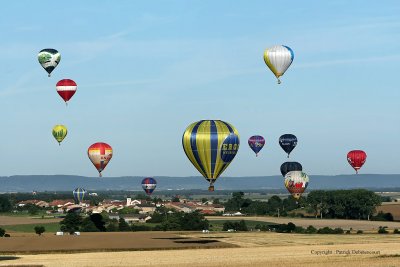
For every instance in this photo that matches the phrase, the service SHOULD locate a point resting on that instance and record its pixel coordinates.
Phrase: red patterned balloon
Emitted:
(356, 159)
(100, 154)
(66, 88)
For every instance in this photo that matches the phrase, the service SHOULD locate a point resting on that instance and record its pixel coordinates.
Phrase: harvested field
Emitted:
(258, 249)
(391, 207)
(270, 239)
(29, 228)
(14, 220)
(318, 223)
(112, 241)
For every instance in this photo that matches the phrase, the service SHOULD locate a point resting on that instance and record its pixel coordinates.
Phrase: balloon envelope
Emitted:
(290, 166)
(79, 195)
(278, 59)
(66, 88)
(149, 184)
(356, 159)
(296, 183)
(288, 142)
(256, 143)
(210, 145)
(49, 58)
(100, 155)
(59, 132)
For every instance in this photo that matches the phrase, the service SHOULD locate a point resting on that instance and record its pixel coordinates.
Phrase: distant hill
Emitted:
(28, 183)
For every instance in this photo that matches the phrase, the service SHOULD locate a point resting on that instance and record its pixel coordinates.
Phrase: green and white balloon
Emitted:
(49, 58)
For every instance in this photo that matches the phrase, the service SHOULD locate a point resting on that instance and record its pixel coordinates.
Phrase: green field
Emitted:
(28, 228)
(217, 225)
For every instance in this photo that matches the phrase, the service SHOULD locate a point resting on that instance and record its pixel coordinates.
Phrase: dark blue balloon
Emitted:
(288, 142)
(290, 166)
(256, 143)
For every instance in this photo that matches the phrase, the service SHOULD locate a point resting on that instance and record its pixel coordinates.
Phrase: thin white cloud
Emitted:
(119, 83)
(28, 28)
(20, 86)
(317, 64)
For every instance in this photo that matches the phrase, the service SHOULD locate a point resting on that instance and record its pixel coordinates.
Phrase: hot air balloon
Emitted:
(256, 143)
(59, 133)
(49, 58)
(79, 195)
(66, 88)
(210, 145)
(100, 154)
(288, 142)
(296, 183)
(290, 166)
(148, 185)
(278, 59)
(356, 159)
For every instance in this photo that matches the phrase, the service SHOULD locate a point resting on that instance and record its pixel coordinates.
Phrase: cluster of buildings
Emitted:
(141, 209)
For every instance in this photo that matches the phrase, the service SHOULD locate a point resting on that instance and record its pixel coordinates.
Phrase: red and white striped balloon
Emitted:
(66, 88)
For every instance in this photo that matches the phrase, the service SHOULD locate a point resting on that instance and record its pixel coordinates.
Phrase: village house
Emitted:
(39, 203)
(146, 208)
(190, 206)
(135, 218)
(113, 215)
(130, 202)
(178, 206)
(59, 203)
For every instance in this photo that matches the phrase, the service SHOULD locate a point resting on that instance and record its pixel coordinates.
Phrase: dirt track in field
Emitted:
(392, 207)
(16, 220)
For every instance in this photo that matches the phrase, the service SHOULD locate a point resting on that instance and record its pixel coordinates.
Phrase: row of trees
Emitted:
(161, 221)
(274, 206)
(5, 204)
(343, 204)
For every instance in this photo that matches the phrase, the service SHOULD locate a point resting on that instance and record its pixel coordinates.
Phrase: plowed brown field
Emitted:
(17, 220)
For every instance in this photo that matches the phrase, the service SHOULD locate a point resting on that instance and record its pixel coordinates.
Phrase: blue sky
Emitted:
(147, 69)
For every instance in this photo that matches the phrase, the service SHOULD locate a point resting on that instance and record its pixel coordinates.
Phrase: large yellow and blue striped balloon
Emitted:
(278, 59)
(211, 146)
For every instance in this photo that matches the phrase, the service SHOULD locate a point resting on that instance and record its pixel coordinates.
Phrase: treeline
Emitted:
(161, 221)
(339, 204)
(343, 204)
(292, 228)
(274, 206)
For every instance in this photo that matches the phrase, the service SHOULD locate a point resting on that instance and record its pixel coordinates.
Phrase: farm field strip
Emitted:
(29, 228)
(102, 241)
(270, 239)
(14, 220)
(298, 255)
(318, 223)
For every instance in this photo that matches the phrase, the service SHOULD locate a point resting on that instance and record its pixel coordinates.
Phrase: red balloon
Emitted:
(66, 88)
(100, 155)
(356, 159)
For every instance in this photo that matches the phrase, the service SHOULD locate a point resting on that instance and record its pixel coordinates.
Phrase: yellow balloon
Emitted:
(59, 133)
(211, 146)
